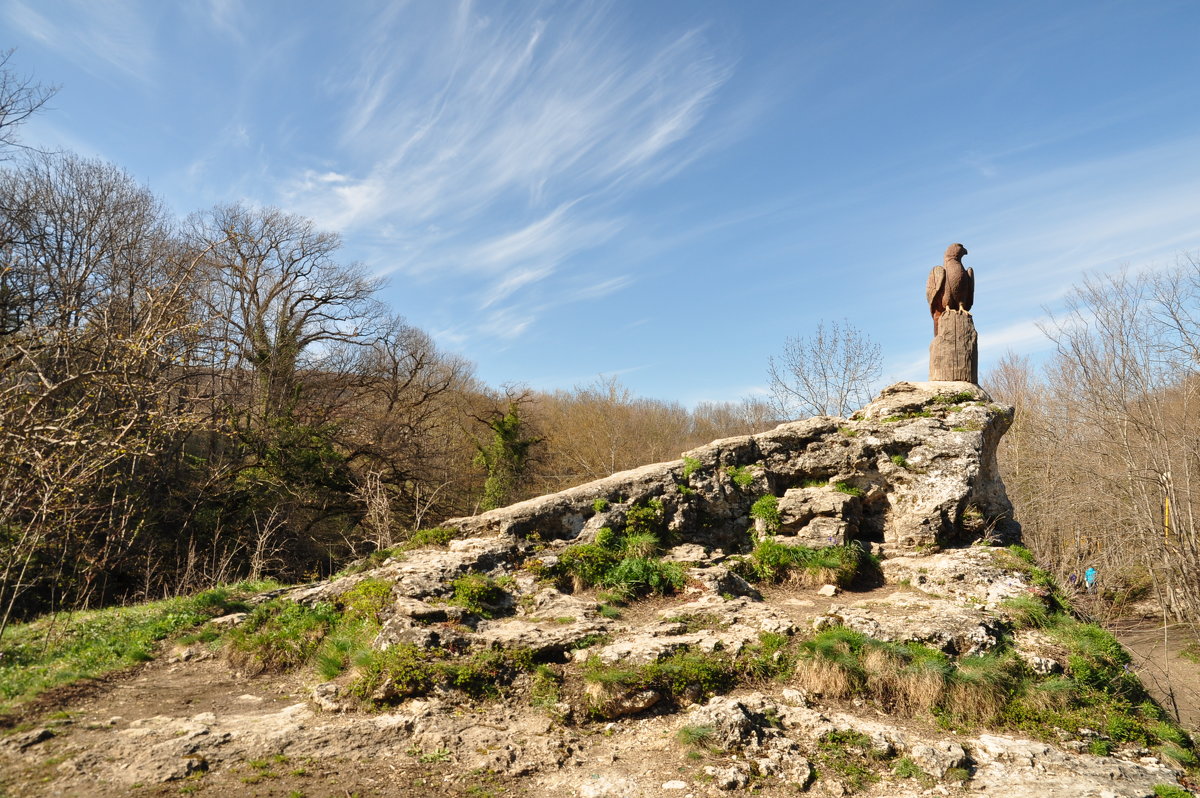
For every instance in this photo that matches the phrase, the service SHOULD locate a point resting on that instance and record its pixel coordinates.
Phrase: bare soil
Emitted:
(184, 689)
(1172, 678)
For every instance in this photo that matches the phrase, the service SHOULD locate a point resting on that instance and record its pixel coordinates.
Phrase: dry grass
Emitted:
(825, 677)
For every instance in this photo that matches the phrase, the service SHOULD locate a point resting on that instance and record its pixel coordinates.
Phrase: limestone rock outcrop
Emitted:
(913, 469)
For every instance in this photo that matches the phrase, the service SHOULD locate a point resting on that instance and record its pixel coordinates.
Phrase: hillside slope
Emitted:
(834, 606)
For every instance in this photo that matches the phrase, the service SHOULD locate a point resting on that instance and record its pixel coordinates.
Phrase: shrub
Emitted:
(645, 519)
(600, 505)
(1098, 661)
(847, 488)
(766, 509)
(587, 563)
(740, 475)
(690, 466)
(479, 594)
(396, 672)
(279, 635)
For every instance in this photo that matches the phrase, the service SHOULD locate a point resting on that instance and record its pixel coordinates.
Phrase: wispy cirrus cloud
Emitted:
(110, 36)
(496, 143)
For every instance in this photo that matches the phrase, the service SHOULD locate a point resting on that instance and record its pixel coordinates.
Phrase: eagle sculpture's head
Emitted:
(955, 252)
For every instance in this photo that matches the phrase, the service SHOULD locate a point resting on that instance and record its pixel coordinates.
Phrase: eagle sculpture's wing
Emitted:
(968, 289)
(933, 287)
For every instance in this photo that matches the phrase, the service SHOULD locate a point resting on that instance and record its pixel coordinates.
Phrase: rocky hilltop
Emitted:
(833, 606)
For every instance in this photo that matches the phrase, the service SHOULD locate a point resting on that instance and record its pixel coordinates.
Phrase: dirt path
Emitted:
(71, 749)
(1172, 679)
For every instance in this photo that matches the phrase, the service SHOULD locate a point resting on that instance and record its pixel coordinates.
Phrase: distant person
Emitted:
(1089, 576)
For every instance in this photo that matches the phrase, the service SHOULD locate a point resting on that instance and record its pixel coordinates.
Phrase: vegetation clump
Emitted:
(627, 562)
(766, 509)
(771, 561)
(405, 670)
(849, 757)
(741, 476)
(480, 595)
(280, 635)
(674, 675)
(953, 398)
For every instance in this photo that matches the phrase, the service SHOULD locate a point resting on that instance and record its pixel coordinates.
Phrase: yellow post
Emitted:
(1166, 517)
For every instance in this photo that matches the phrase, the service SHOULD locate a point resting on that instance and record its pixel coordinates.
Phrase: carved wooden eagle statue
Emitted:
(950, 286)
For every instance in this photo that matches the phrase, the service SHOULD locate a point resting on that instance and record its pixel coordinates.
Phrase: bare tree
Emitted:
(1101, 463)
(20, 98)
(94, 317)
(831, 372)
(276, 299)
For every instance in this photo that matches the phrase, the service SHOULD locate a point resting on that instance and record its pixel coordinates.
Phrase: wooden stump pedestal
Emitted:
(954, 353)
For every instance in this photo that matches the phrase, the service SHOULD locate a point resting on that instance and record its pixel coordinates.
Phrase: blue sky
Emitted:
(663, 191)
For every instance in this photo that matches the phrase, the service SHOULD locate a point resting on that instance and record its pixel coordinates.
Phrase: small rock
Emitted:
(329, 697)
(829, 590)
(730, 778)
(28, 739)
(232, 619)
(675, 784)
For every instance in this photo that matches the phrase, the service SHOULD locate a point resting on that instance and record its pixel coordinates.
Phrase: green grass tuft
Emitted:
(697, 736)
(772, 561)
(280, 635)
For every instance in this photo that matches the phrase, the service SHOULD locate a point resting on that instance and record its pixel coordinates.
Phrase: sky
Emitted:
(660, 191)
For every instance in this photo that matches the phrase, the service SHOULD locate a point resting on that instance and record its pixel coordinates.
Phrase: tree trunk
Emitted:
(954, 353)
